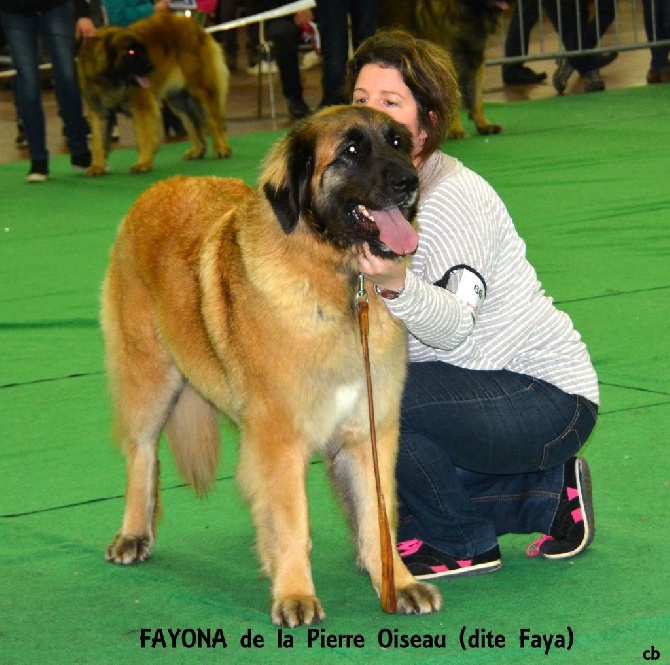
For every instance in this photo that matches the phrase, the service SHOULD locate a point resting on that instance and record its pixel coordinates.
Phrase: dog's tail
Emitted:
(192, 431)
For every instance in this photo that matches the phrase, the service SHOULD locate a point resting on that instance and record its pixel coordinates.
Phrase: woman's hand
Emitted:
(385, 273)
(303, 17)
(84, 29)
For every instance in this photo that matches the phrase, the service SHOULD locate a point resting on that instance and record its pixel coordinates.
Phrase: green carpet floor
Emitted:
(586, 179)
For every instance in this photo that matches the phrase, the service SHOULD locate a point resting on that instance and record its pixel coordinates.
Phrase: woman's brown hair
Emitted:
(427, 71)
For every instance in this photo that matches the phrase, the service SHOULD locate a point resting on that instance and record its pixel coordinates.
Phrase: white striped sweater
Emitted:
(462, 221)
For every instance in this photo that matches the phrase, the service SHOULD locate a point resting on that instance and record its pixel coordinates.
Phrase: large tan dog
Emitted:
(461, 27)
(220, 297)
(132, 70)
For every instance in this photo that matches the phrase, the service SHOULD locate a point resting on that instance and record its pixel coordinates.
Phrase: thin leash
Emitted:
(388, 596)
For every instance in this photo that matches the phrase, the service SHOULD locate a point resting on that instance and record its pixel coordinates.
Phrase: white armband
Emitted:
(467, 285)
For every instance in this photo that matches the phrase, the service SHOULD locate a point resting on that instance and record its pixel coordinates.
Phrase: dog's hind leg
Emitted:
(211, 104)
(213, 100)
(209, 86)
(352, 471)
(192, 115)
(271, 472)
(144, 386)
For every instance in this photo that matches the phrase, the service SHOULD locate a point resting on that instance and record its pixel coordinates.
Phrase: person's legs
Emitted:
(334, 30)
(572, 24)
(596, 26)
(57, 29)
(22, 37)
(481, 454)
(526, 15)
(664, 19)
(364, 20)
(590, 29)
(226, 10)
(285, 36)
(434, 506)
(657, 28)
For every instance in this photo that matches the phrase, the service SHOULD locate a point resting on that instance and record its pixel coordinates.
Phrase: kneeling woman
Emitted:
(501, 394)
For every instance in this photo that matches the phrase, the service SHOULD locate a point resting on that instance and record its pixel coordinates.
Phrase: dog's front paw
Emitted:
(195, 153)
(141, 167)
(457, 133)
(418, 598)
(95, 170)
(128, 549)
(223, 152)
(489, 129)
(295, 611)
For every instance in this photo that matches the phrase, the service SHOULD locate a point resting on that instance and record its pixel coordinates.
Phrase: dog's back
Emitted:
(184, 54)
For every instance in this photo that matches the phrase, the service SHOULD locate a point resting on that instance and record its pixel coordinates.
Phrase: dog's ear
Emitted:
(284, 205)
(289, 194)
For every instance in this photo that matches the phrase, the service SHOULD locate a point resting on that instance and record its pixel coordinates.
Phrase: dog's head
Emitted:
(346, 173)
(128, 60)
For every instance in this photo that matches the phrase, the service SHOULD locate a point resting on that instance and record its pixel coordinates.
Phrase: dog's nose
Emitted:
(404, 181)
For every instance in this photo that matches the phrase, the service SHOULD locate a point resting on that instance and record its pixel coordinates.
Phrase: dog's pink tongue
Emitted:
(395, 231)
(143, 81)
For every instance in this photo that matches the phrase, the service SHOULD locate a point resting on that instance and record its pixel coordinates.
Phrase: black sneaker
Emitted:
(39, 170)
(425, 562)
(573, 528)
(521, 75)
(81, 162)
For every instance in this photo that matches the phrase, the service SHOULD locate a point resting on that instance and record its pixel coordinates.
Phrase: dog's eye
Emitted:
(351, 150)
(396, 141)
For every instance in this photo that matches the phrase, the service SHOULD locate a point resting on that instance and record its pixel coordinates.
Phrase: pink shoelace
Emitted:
(534, 548)
(409, 547)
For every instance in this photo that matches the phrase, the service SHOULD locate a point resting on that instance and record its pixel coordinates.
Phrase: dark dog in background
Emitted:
(461, 27)
(132, 70)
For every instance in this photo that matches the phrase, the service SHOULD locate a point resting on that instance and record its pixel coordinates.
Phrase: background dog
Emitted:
(461, 27)
(221, 297)
(131, 70)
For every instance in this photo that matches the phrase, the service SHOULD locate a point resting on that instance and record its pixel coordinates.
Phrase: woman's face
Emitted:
(383, 88)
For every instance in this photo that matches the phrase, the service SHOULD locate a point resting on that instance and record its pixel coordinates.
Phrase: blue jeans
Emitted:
(56, 27)
(481, 454)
